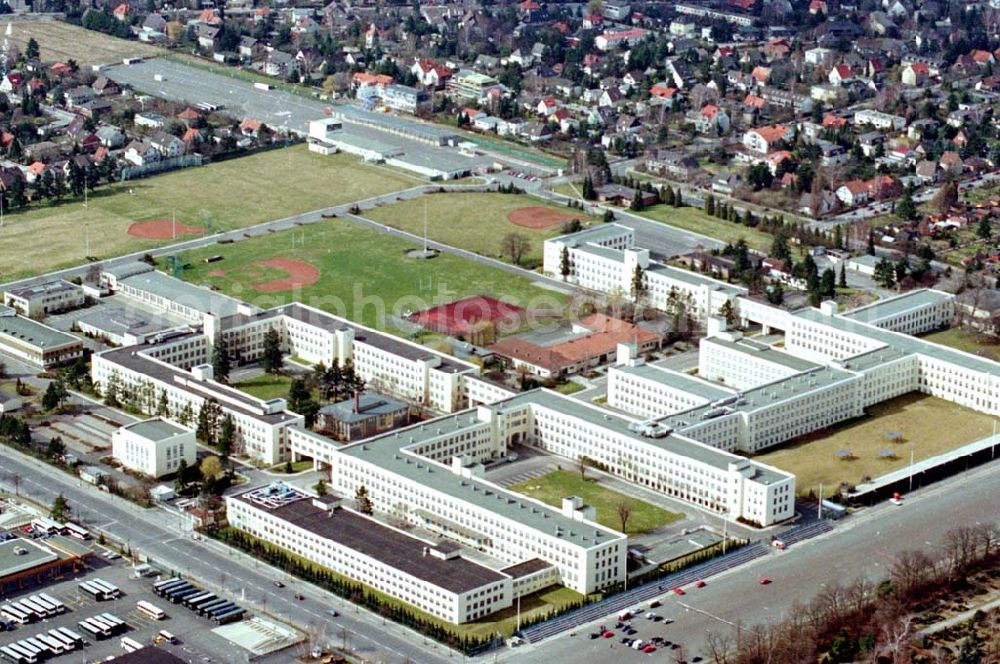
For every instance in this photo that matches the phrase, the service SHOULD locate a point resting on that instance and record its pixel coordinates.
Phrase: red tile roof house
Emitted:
(595, 348)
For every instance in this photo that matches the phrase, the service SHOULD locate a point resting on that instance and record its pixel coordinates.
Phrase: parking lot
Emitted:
(195, 641)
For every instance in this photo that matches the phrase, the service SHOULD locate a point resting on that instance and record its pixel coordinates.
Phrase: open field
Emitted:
(969, 341)
(472, 221)
(266, 386)
(555, 486)
(62, 41)
(930, 425)
(695, 219)
(365, 275)
(232, 194)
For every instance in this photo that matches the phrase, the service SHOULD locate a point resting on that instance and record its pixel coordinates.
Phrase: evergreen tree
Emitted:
(221, 361)
(678, 198)
(984, 231)
(226, 436)
(710, 204)
(906, 209)
(885, 273)
(843, 276)
(32, 52)
(779, 247)
(838, 237)
(667, 196)
(637, 205)
(60, 510)
(565, 266)
(272, 359)
(828, 283)
(320, 488)
(208, 421)
(870, 249)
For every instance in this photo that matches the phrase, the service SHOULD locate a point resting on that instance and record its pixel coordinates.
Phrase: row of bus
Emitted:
(46, 526)
(100, 590)
(30, 609)
(44, 644)
(205, 602)
(103, 625)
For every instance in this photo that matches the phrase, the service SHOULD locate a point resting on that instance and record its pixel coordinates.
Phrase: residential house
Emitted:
(141, 153)
(674, 165)
(840, 75)
(110, 136)
(764, 139)
(712, 120)
(280, 64)
(168, 145)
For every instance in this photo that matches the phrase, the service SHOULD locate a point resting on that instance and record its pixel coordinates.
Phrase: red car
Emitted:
(764, 581)
(649, 648)
(608, 634)
(679, 591)
(699, 584)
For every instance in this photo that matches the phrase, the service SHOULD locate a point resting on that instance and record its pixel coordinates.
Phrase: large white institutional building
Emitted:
(680, 434)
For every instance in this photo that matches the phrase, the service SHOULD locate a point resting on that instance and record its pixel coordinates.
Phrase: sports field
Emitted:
(364, 275)
(559, 484)
(695, 219)
(231, 194)
(61, 42)
(473, 221)
(931, 425)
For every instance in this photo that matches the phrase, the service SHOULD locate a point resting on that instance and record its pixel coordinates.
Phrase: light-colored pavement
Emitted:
(863, 546)
(162, 537)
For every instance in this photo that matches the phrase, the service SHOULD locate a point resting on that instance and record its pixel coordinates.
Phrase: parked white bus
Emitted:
(150, 610)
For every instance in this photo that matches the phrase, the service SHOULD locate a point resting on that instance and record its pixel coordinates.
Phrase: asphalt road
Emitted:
(162, 537)
(864, 545)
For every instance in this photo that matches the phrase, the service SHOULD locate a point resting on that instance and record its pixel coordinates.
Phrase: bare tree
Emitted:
(623, 510)
(720, 648)
(581, 465)
(515, 246)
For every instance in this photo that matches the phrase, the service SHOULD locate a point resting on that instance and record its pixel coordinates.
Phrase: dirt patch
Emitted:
(216, 273)
(299, 274)
(537, 217)
(162, 229)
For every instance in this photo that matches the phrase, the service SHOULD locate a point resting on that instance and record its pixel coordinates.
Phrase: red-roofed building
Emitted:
(59, 69)
(776, 158)
(761, 74)
(915, 74)
(430, 74)
(753, 101)
(763, 139)
(817, 6)
(209, 16)
(597, 344)
(250, 127)
(663, 93)
(840, 74)
(610, 41)
(831, 121)
(547, 106)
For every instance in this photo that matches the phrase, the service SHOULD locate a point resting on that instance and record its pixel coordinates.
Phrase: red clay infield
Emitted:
(161, 229)
(299, 274)
(537, 217)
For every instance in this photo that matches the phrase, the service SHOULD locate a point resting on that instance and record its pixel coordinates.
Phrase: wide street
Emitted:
(864, 545)
(166, 539)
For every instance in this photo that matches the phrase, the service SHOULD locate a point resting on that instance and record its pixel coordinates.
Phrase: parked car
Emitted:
(679, 591)
(278, 584)
(764, 581)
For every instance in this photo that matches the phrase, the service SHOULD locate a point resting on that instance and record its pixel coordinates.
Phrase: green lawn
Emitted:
(969, 341)
(266, 386)
(559, 484)
(933, 426)
(366, 275)
(232, 194)
(695, 219)
(473, 221)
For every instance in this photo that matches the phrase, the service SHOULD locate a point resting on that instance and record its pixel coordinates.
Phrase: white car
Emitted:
(896, 501)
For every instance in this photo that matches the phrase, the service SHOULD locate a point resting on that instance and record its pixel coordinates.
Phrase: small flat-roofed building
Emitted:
(147, 655)
(119, 327)
(25, 563)
(433, 577)
(365, 415)
(179, 297)
(111, 276)
(37, 344)
(47, 298)
(154, 447)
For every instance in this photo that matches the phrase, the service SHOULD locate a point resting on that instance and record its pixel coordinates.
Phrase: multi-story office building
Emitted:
(432, 576)
(46, 298)
(604, 259)
(37, 344)
(154, 447)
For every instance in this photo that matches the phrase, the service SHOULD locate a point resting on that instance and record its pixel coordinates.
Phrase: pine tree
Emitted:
(843, 276)
(221, 362)
(226, 436)
(565, 266)
(639, 287)
(710, 204)
(272, 359)
(362, 501)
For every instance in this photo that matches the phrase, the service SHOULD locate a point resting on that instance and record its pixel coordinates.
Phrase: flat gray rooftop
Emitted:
(894, 306)
(763, 352)
(389, 452)
(386, 545)
(678, 380)
(116, 320)
(57, 286)
(188, 295)
(236, 400)
(12, 561)
(156, 429)
(903, 342)
(35, 334)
